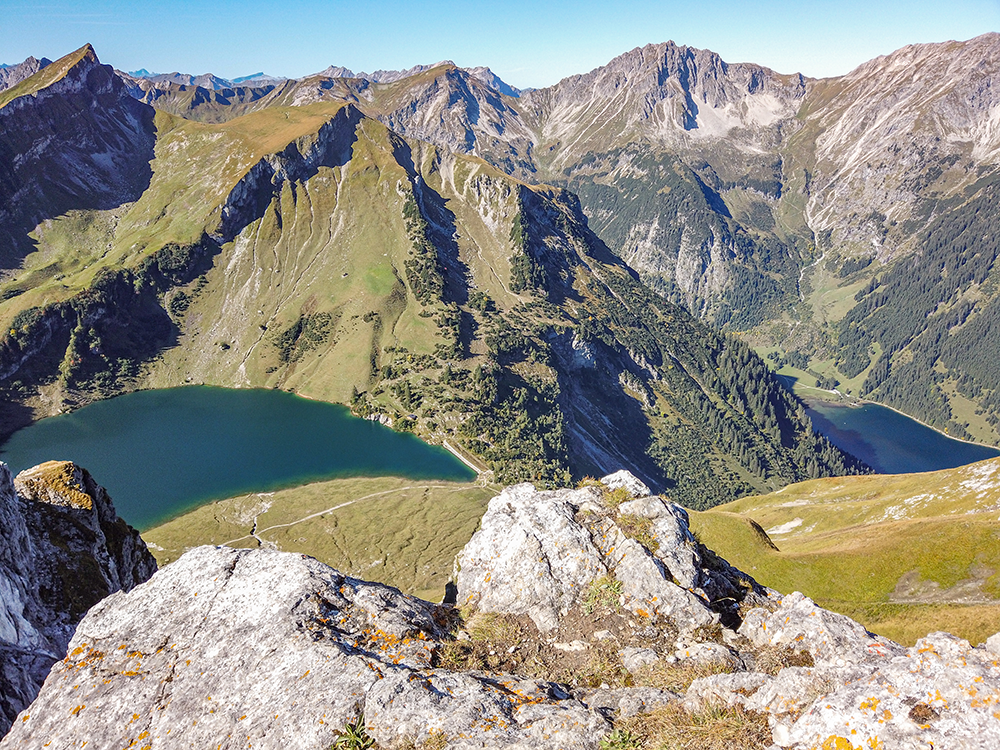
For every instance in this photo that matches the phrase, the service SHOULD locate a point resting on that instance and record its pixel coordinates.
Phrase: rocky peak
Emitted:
(11, 75)
(455, 109)
(481, 73)
(76, 140)
(64, 550)
(899, 133)
(662, 93)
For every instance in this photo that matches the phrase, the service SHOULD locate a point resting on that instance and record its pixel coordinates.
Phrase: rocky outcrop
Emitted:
(229, 648)
(863, 691)
(537, 553)
(278, 650)
(12, 75)
(64, 550)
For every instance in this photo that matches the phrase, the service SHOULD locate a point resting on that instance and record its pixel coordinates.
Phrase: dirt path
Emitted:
(255, 532)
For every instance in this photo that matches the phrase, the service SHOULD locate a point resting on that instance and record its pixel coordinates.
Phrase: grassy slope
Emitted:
(406, 535)
(855, 538)
(334, 245)
(195, 169)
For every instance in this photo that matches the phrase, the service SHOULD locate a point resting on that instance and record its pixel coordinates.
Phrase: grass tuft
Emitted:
(640, 529)
(604, 592)
(710, 728)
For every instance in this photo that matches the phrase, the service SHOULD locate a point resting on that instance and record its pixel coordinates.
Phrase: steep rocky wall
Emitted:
(80, 143)
(64, 549)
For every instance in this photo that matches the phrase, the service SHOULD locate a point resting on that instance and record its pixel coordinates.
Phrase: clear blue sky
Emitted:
(526, 43)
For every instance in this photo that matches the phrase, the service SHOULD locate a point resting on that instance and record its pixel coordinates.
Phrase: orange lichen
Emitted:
(869, 705)
(78, 709)
(835, 742)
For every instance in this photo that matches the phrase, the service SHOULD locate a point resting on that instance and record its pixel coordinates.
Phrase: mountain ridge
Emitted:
(561, 360)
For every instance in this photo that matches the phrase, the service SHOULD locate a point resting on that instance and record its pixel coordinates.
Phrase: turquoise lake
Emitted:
(890, 442)
(161, 453)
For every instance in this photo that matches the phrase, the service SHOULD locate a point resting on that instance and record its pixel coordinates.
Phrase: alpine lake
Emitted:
(890, 442)
(161, 453)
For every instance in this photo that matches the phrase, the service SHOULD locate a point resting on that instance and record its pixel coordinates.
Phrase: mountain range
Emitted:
(539, 277)
(787, 209)
(555, 284)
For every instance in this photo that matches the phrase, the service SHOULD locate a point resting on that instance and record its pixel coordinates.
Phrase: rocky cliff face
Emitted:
(64, 549)
(14, 74)
(898, 136)
(580, 608)
(76, 140)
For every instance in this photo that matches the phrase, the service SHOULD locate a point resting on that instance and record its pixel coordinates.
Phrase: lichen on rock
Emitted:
(570, 630)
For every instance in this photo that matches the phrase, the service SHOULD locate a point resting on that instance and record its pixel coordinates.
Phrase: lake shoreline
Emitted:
(889, 440)
(163, 452)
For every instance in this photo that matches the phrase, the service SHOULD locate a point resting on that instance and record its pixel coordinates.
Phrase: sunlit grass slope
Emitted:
(398, 531)
(905, 554)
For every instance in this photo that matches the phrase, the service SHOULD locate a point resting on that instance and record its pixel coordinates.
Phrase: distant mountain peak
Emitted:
(11, 75)
(481, 73)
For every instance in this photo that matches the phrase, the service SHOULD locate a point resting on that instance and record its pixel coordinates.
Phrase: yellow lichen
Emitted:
(835, 742)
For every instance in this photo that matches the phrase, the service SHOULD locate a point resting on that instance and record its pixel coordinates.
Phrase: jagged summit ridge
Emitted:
(11, 75)
(481, 73)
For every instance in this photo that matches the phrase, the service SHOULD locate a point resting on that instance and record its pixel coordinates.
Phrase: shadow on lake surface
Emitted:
(890, 442)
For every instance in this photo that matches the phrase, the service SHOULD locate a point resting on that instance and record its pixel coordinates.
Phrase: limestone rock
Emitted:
(677, 547)
(939, 693)
(634, 659)
(831, 639)
(64, 550)
(472, 711)
(529, 556)
(625, 702)
(625, 478)
(533, 555)
(646, 584)
(234, 648)
(230, 648)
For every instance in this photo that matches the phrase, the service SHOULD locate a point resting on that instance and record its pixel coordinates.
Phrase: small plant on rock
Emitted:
(620, 739)
(614, 498)
(640, 529)
(354, 736)
(772, 659)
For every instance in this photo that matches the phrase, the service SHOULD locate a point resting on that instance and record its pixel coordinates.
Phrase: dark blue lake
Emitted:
(890, 442)
(161, 453)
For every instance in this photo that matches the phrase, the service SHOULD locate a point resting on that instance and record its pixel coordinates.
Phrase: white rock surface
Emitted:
(236, 648)
(942, 693)
(529, 556)
(831, 639)
(646, 583)
(678, 549)
(625, 478)
(64, 548)
(533, 555)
